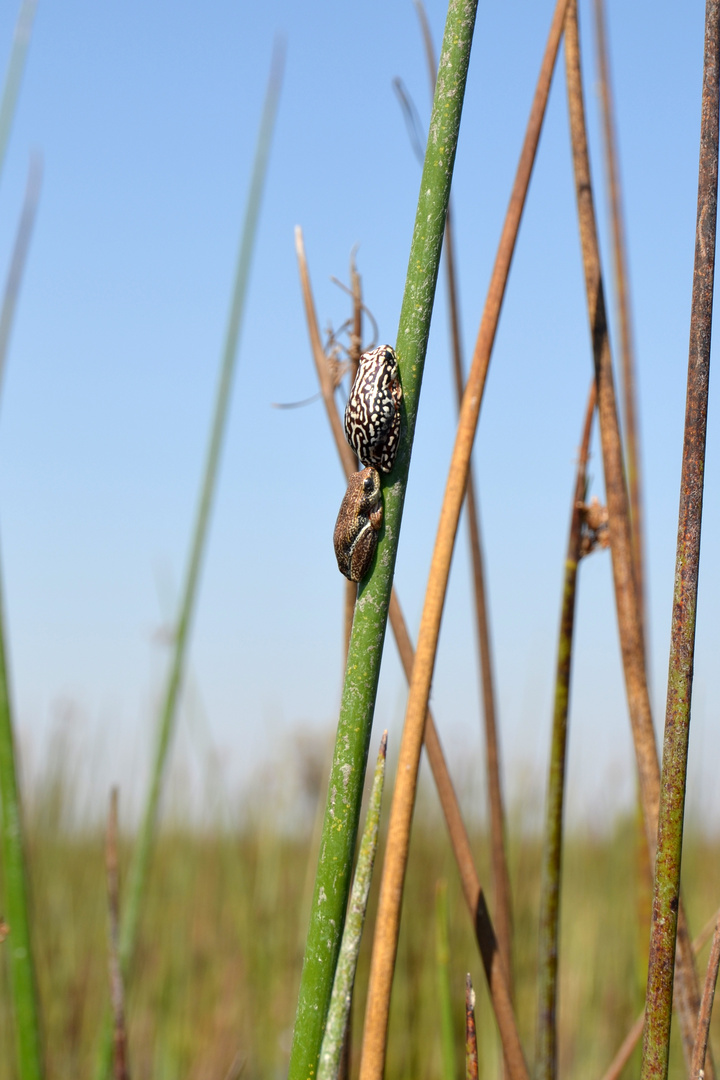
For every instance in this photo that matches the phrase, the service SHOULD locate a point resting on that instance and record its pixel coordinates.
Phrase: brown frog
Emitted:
(356, 529)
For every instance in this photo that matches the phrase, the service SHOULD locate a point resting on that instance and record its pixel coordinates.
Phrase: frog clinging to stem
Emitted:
(372, 414)
(356, 529)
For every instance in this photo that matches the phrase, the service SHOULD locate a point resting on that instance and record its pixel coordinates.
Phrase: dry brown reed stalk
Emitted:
(327, 388)
(697, 1072)
(624, 312)
(323, 369)
(388, 917)
(666, 896)
(471, 1050)
(472, 889)
(632, 1038)
(117, 989)
(498, 846)
(626, 601)
(546, 1034)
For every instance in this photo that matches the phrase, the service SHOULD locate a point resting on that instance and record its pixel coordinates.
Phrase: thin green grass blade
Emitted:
(442, 959)
(16, 901)
(339, 1011)
(342, 814)
(16, 67)
(19, 256)
(140, 863)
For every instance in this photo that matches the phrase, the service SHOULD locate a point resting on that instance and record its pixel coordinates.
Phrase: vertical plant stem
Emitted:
(698, 1063)
(626, 601)
(140, 862)
(658, 1010)
(388, 920)
(501, 874)
(442, 959)
(22, 972)
(369, 624)
(635, 1034)
(341, 999)
(17, 902)
(546, 1041)
(472, 890)
(19, 256)
(117, 990)
(624, 310)
(14, 74)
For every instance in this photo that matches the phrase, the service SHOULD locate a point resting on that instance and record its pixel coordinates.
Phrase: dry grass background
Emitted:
(222, 937)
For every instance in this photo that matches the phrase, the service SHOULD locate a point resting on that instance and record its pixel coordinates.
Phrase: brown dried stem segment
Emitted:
(658, 1011)
(327, 388)
(388, 920)
(472, 891)
(698, 1063)
(546, 1039)
(471, 1050)
(388, 925)
(501, 874)
(626, 602)
(117, 990)
(622, 289)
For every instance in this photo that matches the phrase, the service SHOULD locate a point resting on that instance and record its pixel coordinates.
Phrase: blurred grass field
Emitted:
(215, 986)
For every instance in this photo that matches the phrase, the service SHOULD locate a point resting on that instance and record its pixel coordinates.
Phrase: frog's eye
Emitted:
(368, 484)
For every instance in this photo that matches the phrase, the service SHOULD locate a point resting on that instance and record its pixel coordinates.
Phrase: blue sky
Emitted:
(146, 116)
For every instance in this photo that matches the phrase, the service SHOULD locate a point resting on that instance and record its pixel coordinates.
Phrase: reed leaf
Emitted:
(141, 858)
(16, 899)
(442, 959)
(28, 1042)
(14, 74)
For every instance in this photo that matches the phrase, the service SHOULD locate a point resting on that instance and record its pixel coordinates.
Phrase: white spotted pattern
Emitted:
(372, 415)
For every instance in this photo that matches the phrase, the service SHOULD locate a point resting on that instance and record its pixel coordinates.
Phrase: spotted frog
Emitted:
(356, 529)
(372, 415)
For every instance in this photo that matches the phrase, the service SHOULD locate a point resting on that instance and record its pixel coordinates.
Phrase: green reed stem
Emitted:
(28, 1042)
(341, 1000)
(442, 959)
(546, 1037)
(16, 913)
(368, 634)
(140, 862)
(666, 898)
